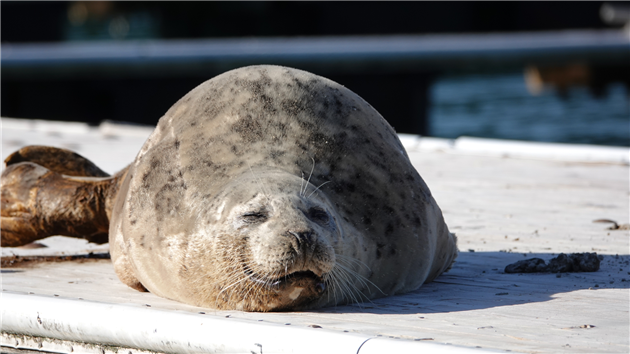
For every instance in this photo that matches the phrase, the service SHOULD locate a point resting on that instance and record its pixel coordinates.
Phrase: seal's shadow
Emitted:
(477, 281)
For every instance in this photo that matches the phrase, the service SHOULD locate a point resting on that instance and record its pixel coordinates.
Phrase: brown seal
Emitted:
(265, 188)
(50, 191)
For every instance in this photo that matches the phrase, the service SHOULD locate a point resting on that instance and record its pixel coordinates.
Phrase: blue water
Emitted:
(499, 106)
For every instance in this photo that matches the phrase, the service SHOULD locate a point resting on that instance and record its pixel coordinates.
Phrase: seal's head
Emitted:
(274, 237)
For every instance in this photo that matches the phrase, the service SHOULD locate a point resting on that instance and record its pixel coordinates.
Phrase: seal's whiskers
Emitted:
(303, 193)
(348, 290)
(317, 189)
(349, 282)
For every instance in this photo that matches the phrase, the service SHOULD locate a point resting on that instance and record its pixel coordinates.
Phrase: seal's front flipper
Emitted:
(58, 160)
(37, 202)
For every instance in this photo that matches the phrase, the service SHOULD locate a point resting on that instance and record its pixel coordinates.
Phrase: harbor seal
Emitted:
(265, 188)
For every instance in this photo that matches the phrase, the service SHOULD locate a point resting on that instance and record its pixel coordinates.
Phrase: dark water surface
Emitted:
(499, 106)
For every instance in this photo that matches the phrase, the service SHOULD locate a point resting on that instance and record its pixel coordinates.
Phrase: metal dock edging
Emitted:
(180, 332)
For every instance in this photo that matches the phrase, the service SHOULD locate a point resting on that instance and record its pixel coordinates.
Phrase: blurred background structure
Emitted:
(541, 71)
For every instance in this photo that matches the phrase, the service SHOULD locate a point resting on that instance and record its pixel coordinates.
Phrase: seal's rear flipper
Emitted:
(48, 191)
(58, 160)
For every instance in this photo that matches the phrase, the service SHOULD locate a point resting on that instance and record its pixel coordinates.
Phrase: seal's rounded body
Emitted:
(269, 188)
(255, 134)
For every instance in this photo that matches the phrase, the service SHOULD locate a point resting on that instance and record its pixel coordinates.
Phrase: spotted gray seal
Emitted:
(265, 188)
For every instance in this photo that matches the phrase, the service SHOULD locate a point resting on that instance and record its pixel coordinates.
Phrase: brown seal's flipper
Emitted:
(58, 160)
(38, 202)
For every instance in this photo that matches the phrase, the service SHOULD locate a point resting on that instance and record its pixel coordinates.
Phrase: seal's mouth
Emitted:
(302, 278)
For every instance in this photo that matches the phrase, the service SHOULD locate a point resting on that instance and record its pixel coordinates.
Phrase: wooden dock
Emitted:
(505, 201)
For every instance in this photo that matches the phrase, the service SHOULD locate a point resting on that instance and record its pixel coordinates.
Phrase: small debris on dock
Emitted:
(574, 262)
(615, 225)
(587, 326)
(532, 265)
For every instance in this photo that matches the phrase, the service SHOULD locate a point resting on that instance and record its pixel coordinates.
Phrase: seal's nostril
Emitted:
(304, 239)
(320, 288)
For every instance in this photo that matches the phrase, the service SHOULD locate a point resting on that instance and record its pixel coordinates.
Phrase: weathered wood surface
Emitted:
(502, 209)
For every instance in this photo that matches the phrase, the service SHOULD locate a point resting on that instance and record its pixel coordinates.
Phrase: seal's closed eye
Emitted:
(318, 215)
(254, 217)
